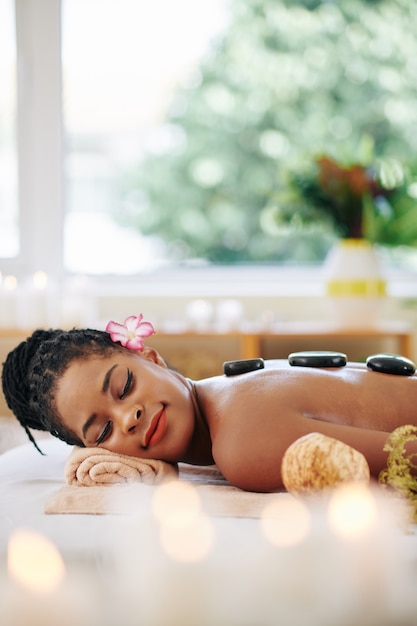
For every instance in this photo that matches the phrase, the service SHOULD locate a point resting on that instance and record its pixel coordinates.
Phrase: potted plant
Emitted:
(371, 201)
(365, 203)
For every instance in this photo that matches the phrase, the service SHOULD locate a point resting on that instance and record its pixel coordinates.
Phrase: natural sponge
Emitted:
(316, 462)
(401, 471)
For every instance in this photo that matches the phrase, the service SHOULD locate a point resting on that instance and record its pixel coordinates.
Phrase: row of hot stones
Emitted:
(383, 363)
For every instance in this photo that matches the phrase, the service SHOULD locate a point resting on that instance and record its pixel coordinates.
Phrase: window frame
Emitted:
(39, 139)
(41, 185)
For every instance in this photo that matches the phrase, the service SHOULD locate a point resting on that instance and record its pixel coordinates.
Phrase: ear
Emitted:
(150, 354)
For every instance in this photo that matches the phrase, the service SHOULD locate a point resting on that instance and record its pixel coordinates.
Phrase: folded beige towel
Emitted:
(89, 467)
(218, 497)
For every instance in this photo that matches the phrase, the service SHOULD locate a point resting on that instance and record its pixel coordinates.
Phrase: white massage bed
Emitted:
(246, 576)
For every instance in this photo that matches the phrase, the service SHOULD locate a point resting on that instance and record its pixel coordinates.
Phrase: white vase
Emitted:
(355, 284)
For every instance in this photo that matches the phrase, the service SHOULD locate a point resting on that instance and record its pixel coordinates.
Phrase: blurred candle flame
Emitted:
(176, 504)
(10, 282)
(352, 511)
(186, 534)
(34, 562)
(40, 280)
(286, 522)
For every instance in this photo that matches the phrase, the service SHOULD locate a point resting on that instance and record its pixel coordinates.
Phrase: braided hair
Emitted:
(33, 369)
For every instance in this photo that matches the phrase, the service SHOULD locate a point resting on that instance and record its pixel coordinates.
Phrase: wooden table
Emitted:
(400, 332)
(252, 344)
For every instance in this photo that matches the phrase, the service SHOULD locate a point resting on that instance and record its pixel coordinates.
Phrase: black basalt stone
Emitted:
(391, 364)
(317, 358)
(232, 368)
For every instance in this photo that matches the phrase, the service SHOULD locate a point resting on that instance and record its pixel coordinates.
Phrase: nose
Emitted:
(128, 419)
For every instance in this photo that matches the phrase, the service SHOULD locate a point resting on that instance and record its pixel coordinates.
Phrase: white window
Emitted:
(94, 81)
(9, 232)
(122, 60)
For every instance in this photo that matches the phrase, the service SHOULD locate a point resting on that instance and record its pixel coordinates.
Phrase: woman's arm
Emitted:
(250, 458)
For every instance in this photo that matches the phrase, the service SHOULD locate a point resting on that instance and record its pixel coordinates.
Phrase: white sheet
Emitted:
(27, 479)
(256, 581)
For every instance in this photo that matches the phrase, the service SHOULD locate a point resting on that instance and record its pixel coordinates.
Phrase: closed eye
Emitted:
(127, 386)
(105, 433)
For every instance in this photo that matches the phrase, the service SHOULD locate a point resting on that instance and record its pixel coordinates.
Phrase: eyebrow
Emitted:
(104, 388)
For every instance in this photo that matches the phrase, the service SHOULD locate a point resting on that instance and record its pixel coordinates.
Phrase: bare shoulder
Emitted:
(246, 464)
(254, 417)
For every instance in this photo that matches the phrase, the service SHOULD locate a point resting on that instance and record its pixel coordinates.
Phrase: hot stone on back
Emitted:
(391, 364)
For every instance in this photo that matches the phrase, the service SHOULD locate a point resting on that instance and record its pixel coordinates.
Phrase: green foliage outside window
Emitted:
(288, 81)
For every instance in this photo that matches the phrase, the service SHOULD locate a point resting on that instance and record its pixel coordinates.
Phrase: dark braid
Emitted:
(32, 370)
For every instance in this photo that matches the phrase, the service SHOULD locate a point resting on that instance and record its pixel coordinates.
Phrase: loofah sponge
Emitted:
(316, 462)
(401, 471)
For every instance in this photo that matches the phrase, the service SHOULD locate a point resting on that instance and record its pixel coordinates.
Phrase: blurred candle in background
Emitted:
(78, 307)
(199, 313)
(32, 302)
(8, 301)
(229, 315)
(39, 589)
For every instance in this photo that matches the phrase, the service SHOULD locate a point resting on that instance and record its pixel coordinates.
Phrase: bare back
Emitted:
(254, 417)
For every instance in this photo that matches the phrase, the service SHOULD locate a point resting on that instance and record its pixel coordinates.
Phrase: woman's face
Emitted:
(129, 403)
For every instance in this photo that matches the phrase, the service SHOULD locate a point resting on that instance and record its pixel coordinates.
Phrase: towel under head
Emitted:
(90, 467)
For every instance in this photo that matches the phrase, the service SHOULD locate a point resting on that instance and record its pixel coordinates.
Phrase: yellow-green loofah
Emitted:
(401, 471)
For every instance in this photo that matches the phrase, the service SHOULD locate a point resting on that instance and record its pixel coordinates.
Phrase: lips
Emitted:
(156, 429)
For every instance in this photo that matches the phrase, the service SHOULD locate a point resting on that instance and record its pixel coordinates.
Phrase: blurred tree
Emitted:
(289, 78)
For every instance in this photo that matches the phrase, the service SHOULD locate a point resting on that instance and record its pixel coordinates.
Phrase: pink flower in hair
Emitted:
(130, 333)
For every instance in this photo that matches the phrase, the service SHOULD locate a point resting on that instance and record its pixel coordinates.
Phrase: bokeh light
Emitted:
(352, 511)
(186, 533)
(286, 522)
(34, 562)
